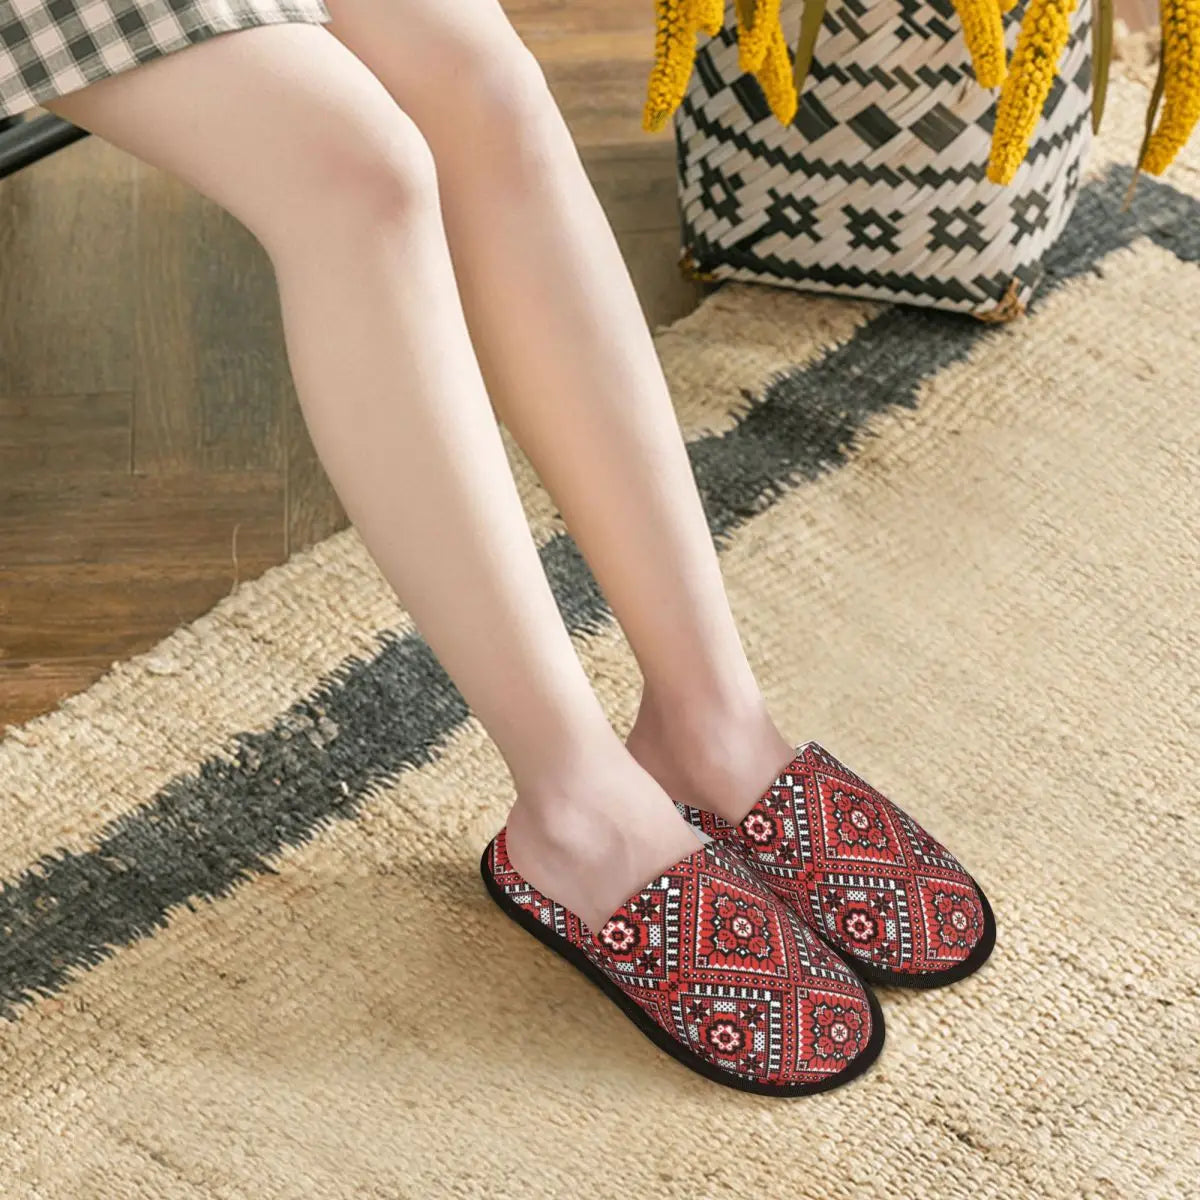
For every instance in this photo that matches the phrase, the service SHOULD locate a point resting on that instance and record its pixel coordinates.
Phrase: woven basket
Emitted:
(878, 187)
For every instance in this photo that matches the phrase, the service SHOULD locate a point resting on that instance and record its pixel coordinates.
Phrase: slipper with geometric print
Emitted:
(871, 880)
(714, 969)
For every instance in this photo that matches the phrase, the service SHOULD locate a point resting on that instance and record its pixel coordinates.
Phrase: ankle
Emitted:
(716, 756)
(592, 842)
(579, 787)
(554, 763)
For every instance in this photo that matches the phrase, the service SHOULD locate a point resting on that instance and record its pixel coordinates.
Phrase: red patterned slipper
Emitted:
(870, 879)
(714, 970)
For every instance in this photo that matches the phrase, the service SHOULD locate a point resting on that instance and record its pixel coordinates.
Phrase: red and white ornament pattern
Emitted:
(870, 878)
(721, 964)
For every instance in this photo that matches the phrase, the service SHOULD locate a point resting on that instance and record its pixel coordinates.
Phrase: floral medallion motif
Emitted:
(837, 1032)
(954, 920)
(737, 930)
(861, 871)
(865, 924)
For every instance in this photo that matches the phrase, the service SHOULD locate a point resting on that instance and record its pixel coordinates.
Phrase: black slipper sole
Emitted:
(658, 1035)
(928, 979)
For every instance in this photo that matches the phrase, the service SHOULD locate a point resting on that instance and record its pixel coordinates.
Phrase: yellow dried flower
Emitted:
(710, 16)
(983, 31)
(674, 57)
(755, 37)
(1044, 33)
(776, 79)
(1181, 84)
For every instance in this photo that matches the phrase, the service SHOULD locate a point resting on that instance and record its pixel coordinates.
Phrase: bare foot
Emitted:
(595, 842)
(719, 762)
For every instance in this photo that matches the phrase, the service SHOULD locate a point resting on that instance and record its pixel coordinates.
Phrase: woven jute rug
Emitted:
(246, 950)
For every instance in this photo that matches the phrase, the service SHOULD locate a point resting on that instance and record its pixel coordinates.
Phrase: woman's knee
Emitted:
(375, 172)
(491, 99)
(357, 177)
(505, 84)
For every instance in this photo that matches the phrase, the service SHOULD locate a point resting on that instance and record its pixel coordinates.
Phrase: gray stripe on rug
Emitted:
(206, 832)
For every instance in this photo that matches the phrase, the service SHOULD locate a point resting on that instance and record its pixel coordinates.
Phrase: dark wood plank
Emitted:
(652, 257)
(48, 612)
(53, 436)
(244, 376)
(211, 363)
(29, 689)
(66, 300)
(168, 408)
(597, 59)
(635, 184)
(143, 520)
(312, 511)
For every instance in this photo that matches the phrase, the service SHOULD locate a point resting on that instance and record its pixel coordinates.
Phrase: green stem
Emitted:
(1102, 39)
(810, 27)
(1151, 114)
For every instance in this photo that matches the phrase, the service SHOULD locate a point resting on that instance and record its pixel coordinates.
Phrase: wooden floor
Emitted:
(151, 448)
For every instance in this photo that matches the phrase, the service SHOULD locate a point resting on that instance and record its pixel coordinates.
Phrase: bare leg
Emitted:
(292, 134)
(572, 370)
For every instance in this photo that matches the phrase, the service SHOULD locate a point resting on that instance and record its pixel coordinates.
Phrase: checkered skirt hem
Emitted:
(51, 47)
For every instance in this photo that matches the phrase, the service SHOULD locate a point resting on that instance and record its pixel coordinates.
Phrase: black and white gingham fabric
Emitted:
(51, 47)
(878, 187)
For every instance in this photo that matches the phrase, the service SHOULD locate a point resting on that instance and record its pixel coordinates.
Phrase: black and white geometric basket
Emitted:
(878, 187)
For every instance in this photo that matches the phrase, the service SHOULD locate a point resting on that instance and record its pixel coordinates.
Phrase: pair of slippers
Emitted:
(749, 960)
